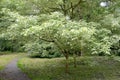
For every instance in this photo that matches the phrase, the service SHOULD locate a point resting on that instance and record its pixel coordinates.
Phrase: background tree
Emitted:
(88, 28)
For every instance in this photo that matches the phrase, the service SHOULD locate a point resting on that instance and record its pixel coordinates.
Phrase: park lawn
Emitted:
(88, 68)
(6, 57)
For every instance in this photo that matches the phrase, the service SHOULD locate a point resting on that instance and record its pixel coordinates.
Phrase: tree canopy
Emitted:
(61, 26)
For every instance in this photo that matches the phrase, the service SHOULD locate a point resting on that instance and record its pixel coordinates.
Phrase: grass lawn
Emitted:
(5, 58)
(88, 68)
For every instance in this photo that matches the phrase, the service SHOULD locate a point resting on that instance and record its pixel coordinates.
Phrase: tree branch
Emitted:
(46, 40)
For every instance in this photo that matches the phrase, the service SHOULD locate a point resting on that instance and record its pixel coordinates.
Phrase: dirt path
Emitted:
(12, 72)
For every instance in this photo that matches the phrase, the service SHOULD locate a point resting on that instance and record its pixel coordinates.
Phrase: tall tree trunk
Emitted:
(67, 63)
(81, 47)
(75, 63)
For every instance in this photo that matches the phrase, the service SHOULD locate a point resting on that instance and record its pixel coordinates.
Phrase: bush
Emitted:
(42, 50)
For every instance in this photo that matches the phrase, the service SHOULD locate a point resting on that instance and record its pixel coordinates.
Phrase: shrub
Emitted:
(42, 49)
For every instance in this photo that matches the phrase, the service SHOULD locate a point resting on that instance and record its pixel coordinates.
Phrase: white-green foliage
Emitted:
(107, 35)
(16, 30)
(7, 18)
(41, 49)
(111, 23)
(67, 35)
(101, 42)
(20, 24)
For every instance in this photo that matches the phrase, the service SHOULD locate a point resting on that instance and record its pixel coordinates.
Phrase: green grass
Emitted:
(5, 53)
(88, 68)
(5, 58)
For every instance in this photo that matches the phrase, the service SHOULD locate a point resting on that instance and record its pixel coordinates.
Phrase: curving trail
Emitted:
(12, 72)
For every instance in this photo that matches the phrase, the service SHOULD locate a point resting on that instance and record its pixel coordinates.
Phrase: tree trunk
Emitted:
(75, 63)
(66, 65)
(81, 48)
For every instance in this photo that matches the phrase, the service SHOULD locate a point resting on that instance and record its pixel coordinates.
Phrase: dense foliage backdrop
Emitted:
(54, 28)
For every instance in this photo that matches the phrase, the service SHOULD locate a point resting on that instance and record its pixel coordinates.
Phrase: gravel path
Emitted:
(12, 72)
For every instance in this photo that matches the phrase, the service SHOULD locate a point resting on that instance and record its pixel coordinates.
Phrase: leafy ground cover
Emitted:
(88, 68)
